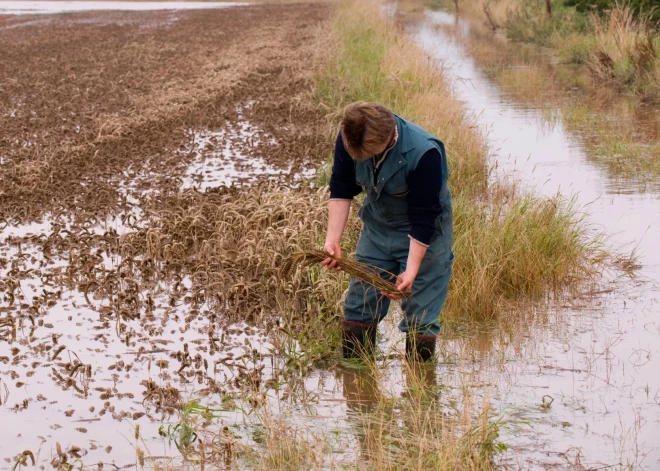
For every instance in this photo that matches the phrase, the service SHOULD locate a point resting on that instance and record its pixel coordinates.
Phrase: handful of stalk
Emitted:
(366, 273)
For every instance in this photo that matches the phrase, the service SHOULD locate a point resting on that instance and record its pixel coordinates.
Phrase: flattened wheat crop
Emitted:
(232, 244)
(78, 121)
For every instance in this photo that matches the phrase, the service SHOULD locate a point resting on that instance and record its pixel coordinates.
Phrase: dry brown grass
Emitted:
(626, 51)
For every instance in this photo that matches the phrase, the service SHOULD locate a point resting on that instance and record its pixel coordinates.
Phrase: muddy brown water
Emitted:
(576, 388)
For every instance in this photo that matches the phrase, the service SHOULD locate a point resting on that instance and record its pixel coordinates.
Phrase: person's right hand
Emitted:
(332, 248)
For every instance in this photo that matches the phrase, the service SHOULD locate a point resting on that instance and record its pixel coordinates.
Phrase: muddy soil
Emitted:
(112, 315)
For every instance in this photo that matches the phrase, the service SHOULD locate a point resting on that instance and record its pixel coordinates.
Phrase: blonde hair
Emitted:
(366, 128)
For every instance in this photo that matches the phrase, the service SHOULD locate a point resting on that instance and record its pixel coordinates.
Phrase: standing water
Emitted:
(585, 392)
(46, 7)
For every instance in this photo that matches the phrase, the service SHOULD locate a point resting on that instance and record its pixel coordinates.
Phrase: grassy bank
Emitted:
(507, 246)
(619, 46)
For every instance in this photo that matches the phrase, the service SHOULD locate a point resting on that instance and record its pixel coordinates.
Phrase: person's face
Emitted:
(382, 149)
(378, 150)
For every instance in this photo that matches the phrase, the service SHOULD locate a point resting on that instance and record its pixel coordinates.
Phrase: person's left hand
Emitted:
(404, 283)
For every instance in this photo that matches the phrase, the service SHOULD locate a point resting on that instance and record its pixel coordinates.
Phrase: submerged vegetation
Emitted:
(386, 430)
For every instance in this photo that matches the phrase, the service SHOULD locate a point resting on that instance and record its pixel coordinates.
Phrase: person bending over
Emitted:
(407, 224)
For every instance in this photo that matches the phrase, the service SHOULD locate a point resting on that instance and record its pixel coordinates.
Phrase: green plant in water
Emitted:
(183, 433)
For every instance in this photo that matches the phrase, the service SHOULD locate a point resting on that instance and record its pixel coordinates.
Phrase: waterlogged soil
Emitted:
(120, 302)
(576, 387)
(106, 322)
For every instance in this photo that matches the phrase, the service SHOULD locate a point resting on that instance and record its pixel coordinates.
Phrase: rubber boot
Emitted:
(420, 347)
(359, 339)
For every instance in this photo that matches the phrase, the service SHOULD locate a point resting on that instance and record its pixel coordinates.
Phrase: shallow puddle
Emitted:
(81, 378)
(582, 388)
(228, 157)
(50, 7)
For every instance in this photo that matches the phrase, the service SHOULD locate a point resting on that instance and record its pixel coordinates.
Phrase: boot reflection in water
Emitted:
(364, 401)
(360, 389)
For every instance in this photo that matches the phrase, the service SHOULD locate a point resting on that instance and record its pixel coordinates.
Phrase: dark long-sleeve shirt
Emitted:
(424, 183)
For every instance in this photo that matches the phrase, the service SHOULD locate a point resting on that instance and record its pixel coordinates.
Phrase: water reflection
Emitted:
(360, 389)
(619, 134)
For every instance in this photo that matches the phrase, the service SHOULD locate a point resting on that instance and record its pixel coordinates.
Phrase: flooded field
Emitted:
(101, 342)
(141, 326)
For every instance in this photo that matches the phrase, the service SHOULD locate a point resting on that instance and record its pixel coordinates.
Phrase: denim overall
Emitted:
(384, 240)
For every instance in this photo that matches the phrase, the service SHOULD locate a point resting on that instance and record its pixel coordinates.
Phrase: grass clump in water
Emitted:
(516, 248)
(418, 428)
(410, 421)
